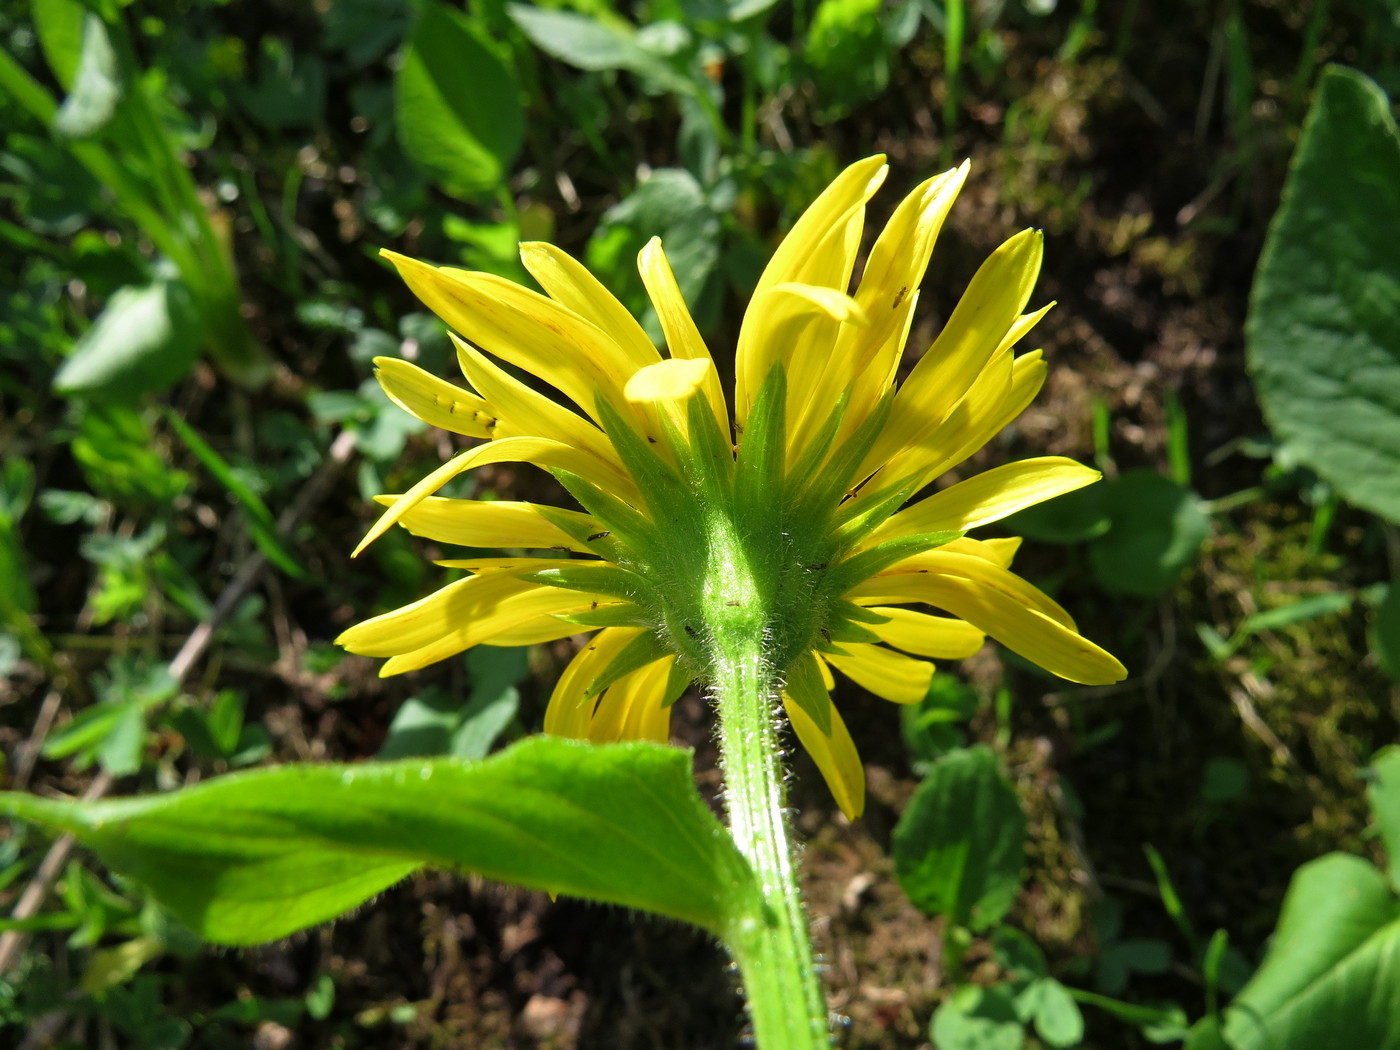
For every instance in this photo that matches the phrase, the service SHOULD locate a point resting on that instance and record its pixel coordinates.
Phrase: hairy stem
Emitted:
(772, 948)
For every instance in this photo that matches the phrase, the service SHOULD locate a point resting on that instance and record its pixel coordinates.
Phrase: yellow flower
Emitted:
(790, 523)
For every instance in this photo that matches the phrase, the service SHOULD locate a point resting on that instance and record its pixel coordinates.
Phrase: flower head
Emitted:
(788, 521)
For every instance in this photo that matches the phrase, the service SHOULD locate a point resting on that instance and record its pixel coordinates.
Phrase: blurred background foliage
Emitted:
(193, 196)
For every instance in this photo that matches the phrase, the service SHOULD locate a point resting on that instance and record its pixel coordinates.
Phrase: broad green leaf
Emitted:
(669, 204)
(1057, 1018)
(1384, 635)
(1331, 977)
(1072, 518)
(978, 1018)
(1323, 334)
(145, 340)
(1384, 796)
(59, 24)
(97, 86)
(457, 104)
(959, 847)
(846, 53)
(1156, 529)
(591, 44)
(254, 856)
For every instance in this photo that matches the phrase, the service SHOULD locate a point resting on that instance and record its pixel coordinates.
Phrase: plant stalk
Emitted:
(772, 947)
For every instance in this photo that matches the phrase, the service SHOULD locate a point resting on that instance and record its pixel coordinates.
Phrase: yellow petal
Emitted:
(835, 756)
(999, 551)
(924, 635)
(466, 609)
(533, 632)
(461, 462)
(675, 379)
(1043, 641)
(435, 401)
(630, 708)
(488, 523)
(570, 707)
(988, 309)
(796, 324)
(894, 676)
(540, 451)
(523, 412)
(989, 496)
(1027, 377)
(973, 567)
(683, 339)
(864, 359)
(515, 566)
(569, 283)
(651, 717)
(523, 327)
(1024, 324)
(819, 250)
(505, 618)
(910, 448)
(811, 329)
(833, 209)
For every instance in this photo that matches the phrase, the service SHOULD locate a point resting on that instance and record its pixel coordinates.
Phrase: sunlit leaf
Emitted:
(97, 86)
(960, 845)
(458, 106)
(145, 340)
(1323, 335)
(592, 44)
(254, 856)
(1384, 795)
(1331, 977)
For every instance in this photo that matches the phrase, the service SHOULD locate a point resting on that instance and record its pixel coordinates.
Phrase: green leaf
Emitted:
(1384, 635)
(1384, 796)
(145, 340)
(1156, 529)
(588, 43)
(1296, 612)
(1323, 333)
(457, 104)
(847, 53)
(17, 597)
(978, 1018)
(1057, 1017)
(289, 90)
(255, 856)
(1331, 977)
(959, 846)
(1160, 1024)
(60, 25)
(97, 86)
(1134, 955)
(669, 204)
(1072, 518)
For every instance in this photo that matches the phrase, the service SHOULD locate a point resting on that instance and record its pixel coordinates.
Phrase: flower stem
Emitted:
(771, 945)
